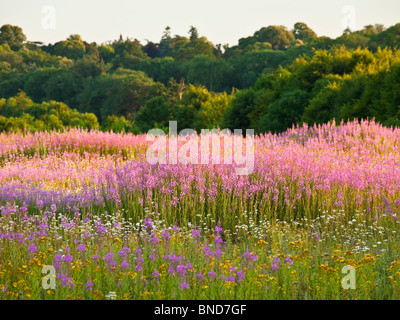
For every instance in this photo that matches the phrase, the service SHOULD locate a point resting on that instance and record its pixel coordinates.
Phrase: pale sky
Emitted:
(221, 21)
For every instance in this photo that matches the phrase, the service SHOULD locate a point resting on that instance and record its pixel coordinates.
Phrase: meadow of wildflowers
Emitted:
(114, 226)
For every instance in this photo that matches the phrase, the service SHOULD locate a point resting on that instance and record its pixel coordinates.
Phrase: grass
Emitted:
(87, 206)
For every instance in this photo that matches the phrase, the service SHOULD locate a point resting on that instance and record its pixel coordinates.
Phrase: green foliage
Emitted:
(121, 93)
(88, 68)
(339, 83)
(302, 32)
(20, 113)
(389, 38)
(154, 114)
(278, 36)
(106, 52)
(12, 36)
(285, 112)
(237, 113)
(128, 47)
(72, 48)
(200, 108)
(268, 81)
(116, 124)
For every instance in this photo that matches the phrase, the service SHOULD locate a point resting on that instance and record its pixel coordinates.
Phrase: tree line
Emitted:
(268, 81)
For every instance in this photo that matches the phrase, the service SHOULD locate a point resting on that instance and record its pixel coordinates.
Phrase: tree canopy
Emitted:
(270, 80)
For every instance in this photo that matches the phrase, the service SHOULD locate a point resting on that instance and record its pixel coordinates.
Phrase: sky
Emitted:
(221, 21)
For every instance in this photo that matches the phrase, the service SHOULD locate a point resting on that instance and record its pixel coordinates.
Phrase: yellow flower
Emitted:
(261, 243)
(134, 275)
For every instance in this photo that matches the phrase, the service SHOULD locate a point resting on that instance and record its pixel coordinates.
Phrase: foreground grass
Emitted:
(110, 257)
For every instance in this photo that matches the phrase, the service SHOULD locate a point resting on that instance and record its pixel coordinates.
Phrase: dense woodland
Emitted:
(269, 81)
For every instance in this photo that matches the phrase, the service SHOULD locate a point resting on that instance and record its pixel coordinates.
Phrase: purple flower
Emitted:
(218, 240)
(200, 276)
(96, 256)
(277, 260)
(148, 223)
(184, 285)
(240, 275)
(122, 253)
(218, 253)
(89, 285)
(110, 259)
(189, 266)
(176, 228)
(109, 256)
(57, 260)
(68, 258)
(65, 281)
(274, 267)
(250, 256)
(212, 274)
(166, 236)
(195, 233)
(181, 269)
(289, 261)
(32, 248)
(138, 268)
(124, 265)
(218, 229)
(171, 270)
(140, 260)
(230, 278)
(127, 250)
(156, 274)
(155, 240)
(81, 248)
(207, 251)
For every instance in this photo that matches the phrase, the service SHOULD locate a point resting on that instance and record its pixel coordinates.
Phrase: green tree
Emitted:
(72, 48)
(236, 114)
(116, 124)
(165, 42)
(285, 112)
(128, 47)
(106, 52)
(194, 34)
(278, 36)
(207, 71)
(302, 32)
(13, 36)
(154, 114)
